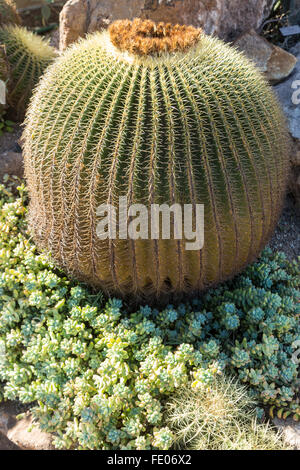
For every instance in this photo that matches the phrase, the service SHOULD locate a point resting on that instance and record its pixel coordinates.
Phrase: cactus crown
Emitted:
(20, 39)
(144, 37)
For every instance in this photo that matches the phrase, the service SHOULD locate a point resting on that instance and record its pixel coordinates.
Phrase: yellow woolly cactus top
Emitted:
(27, 56)
(144, 37)
(34, 45)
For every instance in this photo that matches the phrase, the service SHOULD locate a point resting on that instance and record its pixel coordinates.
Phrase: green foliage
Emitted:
(46, 11)
(101, 374)
(28, 56)
(221, 417)
(199, 127)
(284, 13)
(8, 13)
(291, 8)
(6, 125)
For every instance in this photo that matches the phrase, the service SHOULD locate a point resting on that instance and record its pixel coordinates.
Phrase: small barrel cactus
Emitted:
(28, 55)
(8, 13)
(156, 114)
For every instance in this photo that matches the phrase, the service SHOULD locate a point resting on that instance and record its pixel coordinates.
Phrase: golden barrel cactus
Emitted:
(157, 114)
(27, 56)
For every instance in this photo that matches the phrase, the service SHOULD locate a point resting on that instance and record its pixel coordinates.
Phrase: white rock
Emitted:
(275, 63)
(290, 430)
(224, 18)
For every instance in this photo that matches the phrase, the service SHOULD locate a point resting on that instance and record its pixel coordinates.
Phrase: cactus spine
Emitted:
(28, 56)
(8, 13)
(160, 122)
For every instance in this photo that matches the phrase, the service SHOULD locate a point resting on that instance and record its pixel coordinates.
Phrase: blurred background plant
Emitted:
(6, 125)
(43, 16)
(285, 13)
(46, 11)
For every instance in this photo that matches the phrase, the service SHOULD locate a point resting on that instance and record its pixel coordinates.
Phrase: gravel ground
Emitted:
(287, 235)
(11, 409)
(9, 140)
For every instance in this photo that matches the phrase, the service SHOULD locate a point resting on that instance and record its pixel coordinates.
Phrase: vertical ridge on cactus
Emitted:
(158, 124)
(28, 56)
(8, 13)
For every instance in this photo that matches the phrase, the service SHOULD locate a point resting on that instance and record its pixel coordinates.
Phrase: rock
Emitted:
(6, 421)
(224, 18)
(11, 163)
(72, 22)
(290, 430)
(6, 444)
(289, 96)
(54, 39)
(275, 63)
(23, 433)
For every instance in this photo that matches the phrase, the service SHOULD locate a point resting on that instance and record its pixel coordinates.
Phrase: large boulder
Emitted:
(289, 96)
(225, 18)
(275, 63)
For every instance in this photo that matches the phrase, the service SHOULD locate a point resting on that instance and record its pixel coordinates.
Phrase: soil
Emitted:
(11, 408)
(287, 234)
(9, 140)
(6, 444)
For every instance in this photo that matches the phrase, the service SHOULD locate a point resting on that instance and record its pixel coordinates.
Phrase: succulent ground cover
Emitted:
(100, 374)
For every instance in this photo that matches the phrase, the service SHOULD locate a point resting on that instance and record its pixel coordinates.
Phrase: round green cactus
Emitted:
(8, 13)
(157, 114)
(28, 56)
